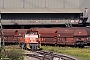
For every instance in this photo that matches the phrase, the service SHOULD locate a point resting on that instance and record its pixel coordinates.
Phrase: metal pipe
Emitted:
(63, 3)
(2, 34)
(45, 3)
(0, 25)
(2, 3)
(23, 3)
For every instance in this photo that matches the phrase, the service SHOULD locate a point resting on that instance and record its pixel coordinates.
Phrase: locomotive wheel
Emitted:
(22, 46)
(27, 46)
(39, 45)
(33, 47)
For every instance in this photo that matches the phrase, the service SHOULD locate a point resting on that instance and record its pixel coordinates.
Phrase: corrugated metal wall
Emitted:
(54, 4)
(34, 3)
(40, 4)
(71, 3)
(0, 4)
(12, 3)
(33, 22)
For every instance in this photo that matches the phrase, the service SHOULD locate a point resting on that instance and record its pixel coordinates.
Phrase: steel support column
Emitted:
(23, 1)
(2, 34)
(2, 3)
(0, 24)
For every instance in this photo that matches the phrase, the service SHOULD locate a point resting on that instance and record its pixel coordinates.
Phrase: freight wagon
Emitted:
(11, 35)
(73, 36)
(76, 36)
(47, 35)
(65, 36)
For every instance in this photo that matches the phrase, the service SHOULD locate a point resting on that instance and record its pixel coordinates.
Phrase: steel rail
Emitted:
(43, 55)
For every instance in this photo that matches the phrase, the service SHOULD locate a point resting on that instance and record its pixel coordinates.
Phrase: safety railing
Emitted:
(34, 22)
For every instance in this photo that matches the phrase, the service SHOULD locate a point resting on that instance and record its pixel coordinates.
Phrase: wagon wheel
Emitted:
(55, 44)
(79, 44)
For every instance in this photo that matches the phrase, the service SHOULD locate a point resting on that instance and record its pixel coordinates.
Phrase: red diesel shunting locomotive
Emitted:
(30, 40)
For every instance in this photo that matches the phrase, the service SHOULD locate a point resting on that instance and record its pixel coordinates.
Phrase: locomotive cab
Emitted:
(31, 37)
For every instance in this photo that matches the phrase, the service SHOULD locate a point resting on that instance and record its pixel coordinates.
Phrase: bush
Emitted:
(12, 54)
(2, 53)
(0, 49)
(15, 55)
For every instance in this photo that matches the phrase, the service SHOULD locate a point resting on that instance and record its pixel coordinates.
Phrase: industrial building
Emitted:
(42, 12)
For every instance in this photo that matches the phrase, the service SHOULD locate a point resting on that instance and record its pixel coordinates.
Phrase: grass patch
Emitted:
(79, 53)
(12, 52)
(15, 54)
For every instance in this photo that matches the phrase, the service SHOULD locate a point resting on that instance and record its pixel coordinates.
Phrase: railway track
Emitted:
(43, 55)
